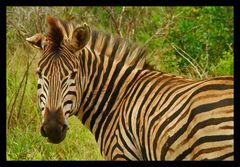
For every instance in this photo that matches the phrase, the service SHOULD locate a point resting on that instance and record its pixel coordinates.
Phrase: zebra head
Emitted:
(59, 75)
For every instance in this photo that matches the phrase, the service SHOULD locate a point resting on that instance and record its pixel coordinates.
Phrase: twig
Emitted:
(199, 67)
(207, 55)
(120, 18)
(25, 85)
(115, 24)
(36, 114)
(194, 67)
(160, 31)
(16, 96)
(38, 25)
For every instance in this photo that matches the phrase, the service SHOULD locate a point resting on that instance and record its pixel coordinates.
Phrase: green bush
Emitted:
(225, 64)
(203, 33)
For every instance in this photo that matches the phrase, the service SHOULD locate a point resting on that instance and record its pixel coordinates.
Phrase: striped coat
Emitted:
(134, 112)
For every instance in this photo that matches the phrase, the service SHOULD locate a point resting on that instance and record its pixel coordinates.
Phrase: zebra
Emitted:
(134, 112)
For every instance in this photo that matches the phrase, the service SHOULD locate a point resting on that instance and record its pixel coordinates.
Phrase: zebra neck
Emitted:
(107, 83)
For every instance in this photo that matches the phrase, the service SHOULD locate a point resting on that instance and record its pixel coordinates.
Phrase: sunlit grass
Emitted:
(28, 144)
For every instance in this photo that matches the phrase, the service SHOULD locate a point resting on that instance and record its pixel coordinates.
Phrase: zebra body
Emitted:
(134, 112)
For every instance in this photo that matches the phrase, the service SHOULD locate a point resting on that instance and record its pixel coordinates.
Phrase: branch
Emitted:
(115, 24)
(16, 95)
(163, 29)
(194, 67)
(120, 18)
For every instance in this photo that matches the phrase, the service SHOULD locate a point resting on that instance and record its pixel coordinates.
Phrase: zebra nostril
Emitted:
(65, 128)
(43, 132)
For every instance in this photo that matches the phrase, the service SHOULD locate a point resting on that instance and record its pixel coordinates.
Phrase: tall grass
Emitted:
(27, 144)
(196, 42)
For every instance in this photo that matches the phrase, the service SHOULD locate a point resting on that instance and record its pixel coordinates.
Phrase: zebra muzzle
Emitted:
(55, 134)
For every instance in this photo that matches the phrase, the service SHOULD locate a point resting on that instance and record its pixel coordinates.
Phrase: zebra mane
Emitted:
(129, 53)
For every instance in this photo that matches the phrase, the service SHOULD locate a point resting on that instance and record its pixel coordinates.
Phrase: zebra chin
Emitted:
(54, 137)
(55, 140)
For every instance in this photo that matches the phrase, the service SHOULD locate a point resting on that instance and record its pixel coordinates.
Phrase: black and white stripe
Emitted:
(134, 112)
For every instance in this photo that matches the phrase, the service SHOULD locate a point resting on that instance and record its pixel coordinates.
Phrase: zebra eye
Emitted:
(73, 74)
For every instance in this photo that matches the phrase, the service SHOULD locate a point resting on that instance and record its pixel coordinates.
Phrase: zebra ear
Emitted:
(80, 37)
(37, 41)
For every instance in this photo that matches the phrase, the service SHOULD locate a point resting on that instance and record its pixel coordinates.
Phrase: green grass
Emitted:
(28, 144)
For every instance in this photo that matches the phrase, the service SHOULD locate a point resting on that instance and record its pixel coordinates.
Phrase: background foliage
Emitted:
(195, 42)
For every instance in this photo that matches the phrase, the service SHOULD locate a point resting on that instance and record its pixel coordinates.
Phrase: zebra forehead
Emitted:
(51, 65)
